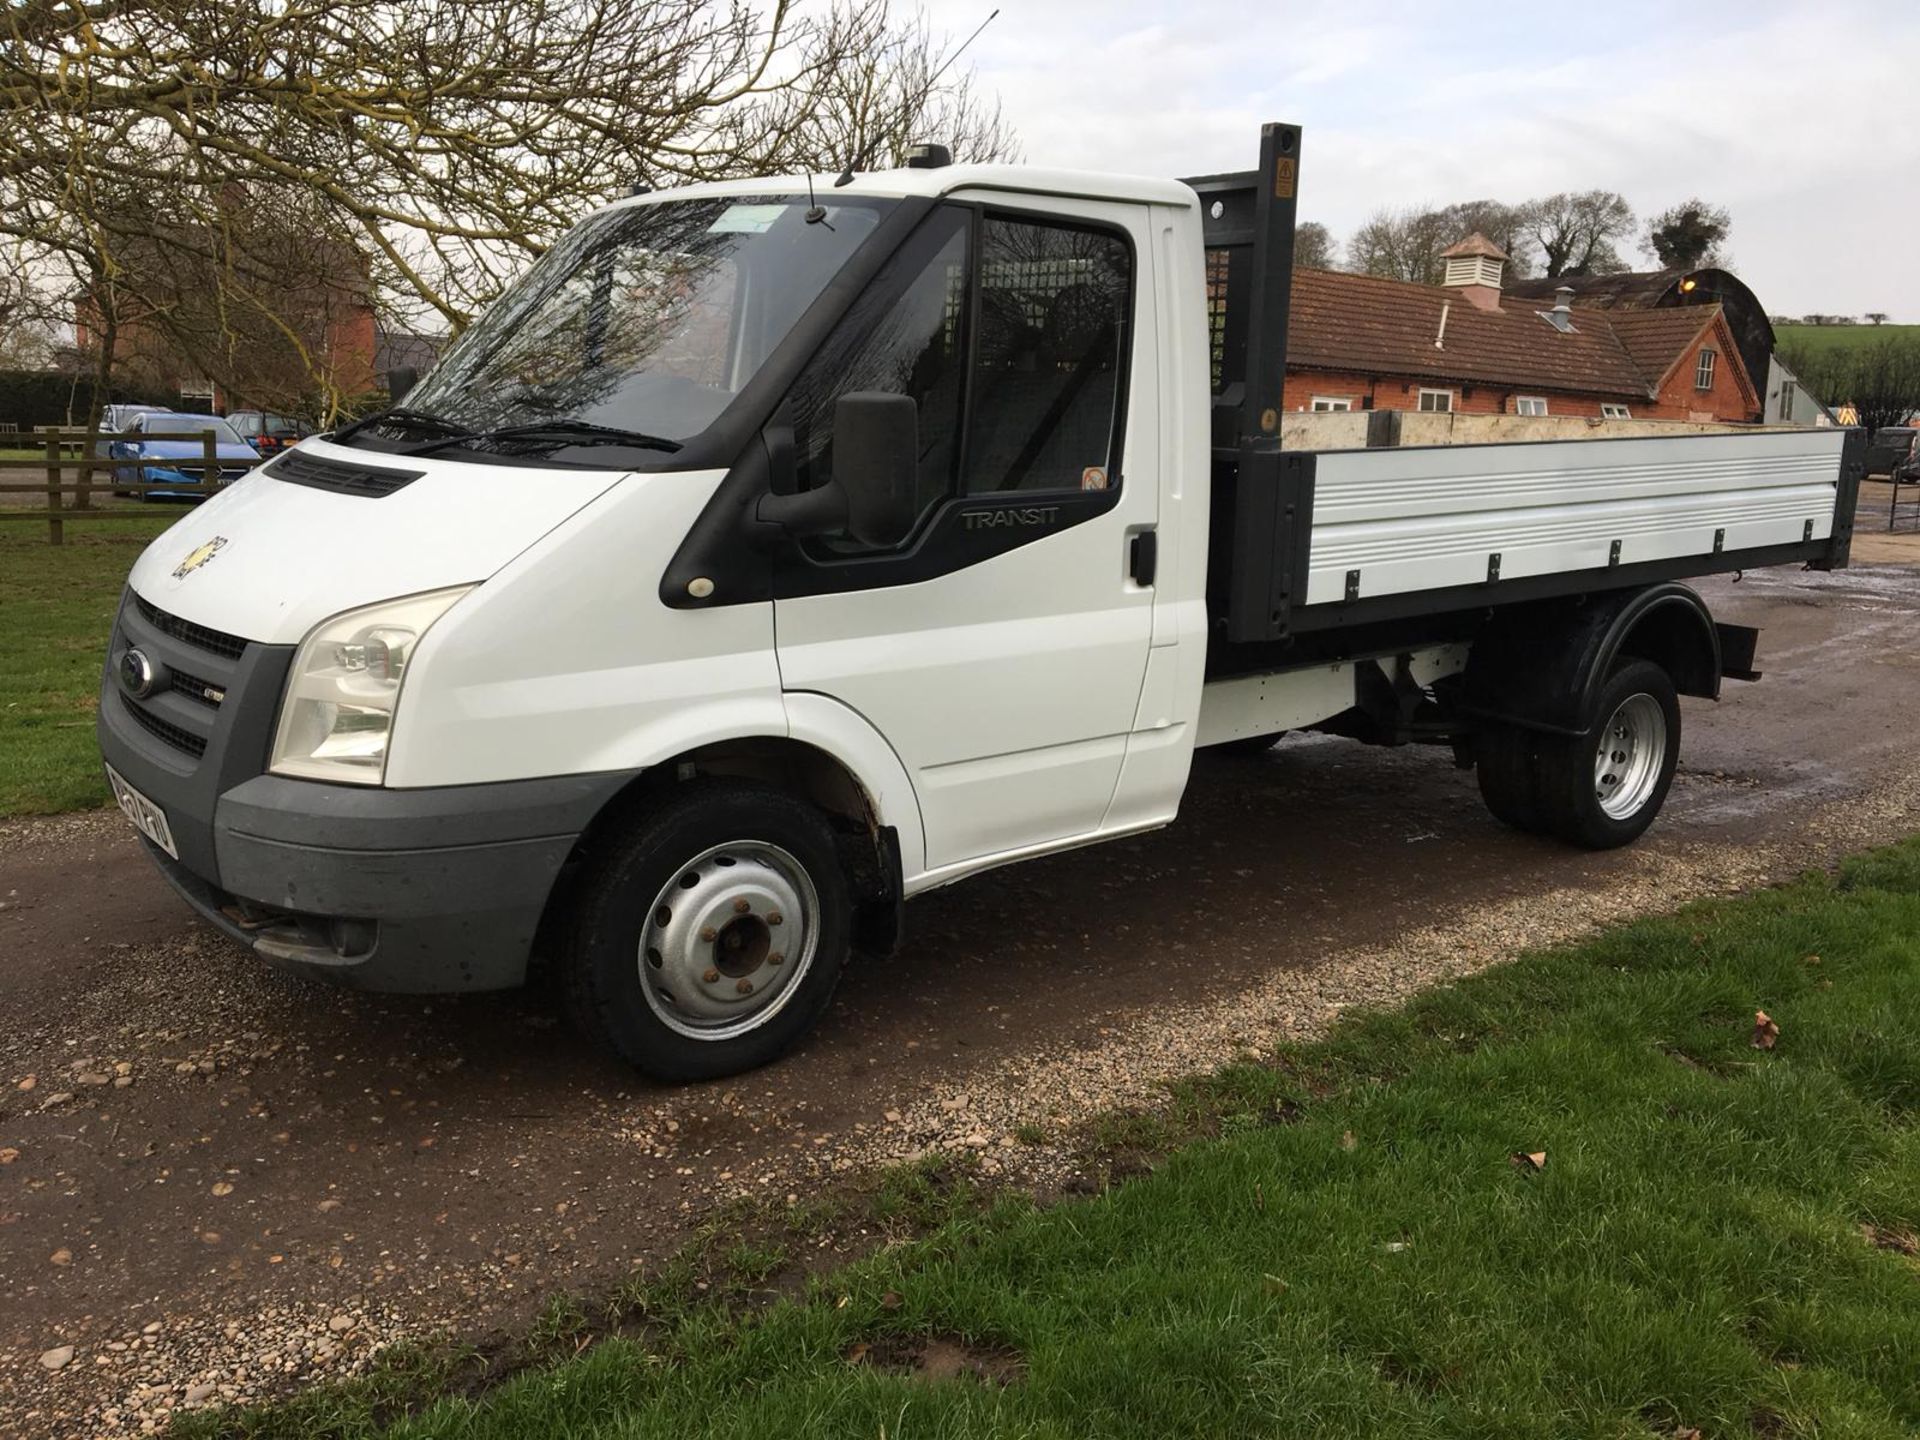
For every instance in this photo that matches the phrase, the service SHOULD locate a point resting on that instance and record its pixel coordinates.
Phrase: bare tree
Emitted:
(1313, 245)
(878, 88)
(445, 144)
(1877, 317)
(1579, 232)
(1401, 245)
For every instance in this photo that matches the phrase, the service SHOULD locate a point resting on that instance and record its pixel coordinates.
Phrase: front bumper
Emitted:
(410, 890)
(404, 890)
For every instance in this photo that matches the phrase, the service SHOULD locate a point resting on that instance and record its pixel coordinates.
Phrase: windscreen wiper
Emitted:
(400, 415)
(562, 431)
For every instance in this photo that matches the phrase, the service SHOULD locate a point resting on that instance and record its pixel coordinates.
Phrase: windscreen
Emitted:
(647, 320)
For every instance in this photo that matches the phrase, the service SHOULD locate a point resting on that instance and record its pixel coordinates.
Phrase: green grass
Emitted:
(1838, 337)
(56, 606)
(1721, 1237)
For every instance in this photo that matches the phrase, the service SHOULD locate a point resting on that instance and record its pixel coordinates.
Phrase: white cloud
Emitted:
(1803, 121)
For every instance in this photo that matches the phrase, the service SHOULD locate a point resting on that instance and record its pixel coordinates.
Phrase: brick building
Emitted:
(1359, 342)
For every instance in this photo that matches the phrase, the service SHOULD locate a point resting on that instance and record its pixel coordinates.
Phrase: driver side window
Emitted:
(1010, 334)
(905, 336)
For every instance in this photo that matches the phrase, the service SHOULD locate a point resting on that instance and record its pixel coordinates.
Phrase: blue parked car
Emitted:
(184, 476)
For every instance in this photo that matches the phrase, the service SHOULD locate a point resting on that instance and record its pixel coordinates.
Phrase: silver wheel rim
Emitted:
(1631, 754)
(728, 940)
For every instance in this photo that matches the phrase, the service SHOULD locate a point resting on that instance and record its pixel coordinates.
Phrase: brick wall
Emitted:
(1403, 393)
(1680, 399)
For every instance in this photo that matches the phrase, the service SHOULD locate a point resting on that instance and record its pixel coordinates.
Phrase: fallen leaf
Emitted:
(891, 1300)
(223, 1187)
(27, 1083)
(1528, 1159)
(1687, 1432)
(1347, 1142)
(857, 1352)
(62, 1256)
(1274, 1284)
(1766, 1034)
(8, 1155)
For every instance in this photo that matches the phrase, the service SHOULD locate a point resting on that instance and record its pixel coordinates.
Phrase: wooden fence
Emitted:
(72, 480)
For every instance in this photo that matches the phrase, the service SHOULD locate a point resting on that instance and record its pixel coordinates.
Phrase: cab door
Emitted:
(1000, 647)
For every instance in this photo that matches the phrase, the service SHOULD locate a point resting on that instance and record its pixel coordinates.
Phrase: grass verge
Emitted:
(1721, 1240)
(56, 606)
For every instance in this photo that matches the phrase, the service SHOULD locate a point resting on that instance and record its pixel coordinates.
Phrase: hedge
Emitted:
(46, 397)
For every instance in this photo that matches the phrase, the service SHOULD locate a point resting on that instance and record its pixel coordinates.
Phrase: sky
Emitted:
(1803, 120)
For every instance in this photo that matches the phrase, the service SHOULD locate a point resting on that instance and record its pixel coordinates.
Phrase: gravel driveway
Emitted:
(218, 1181)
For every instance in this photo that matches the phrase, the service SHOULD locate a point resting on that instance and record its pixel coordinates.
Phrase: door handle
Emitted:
(1143, 557)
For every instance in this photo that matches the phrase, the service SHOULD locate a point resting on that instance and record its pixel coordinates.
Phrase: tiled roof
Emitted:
(1656, 338)
(1363, 323)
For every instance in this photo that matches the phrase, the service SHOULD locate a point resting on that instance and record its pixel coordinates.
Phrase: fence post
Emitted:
(56, 529)
(83, 491)
(210, 450)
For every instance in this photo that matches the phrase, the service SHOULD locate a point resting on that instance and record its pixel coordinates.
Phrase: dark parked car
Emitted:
(150, 437)
(267, 432)
(1891, 444)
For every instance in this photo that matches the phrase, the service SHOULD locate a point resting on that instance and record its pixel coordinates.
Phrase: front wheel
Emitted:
(709, 934)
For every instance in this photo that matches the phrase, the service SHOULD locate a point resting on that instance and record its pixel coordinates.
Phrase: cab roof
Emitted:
(948, 179)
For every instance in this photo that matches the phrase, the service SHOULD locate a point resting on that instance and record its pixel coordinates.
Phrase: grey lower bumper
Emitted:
(405, 890)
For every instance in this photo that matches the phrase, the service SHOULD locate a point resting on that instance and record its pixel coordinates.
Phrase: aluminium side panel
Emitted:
(1398, 521)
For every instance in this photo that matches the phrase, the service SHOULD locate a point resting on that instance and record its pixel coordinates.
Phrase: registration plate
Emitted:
(148, 818)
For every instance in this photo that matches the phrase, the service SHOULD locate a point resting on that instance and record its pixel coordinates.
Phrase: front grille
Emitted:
(197, 688)
(227, 647)
(370, 482)
(165, 730)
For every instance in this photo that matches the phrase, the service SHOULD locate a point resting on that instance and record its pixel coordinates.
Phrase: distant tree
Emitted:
(1879, 378)
(1505, 225)
(1401, 245)
(1689, 235)
(1878, 317)
(1313, 245)
(1579, 231)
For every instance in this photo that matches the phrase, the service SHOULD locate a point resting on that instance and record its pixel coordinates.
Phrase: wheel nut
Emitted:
(773, 917)
(775, 958)
(709, 935)
(712, 977)
(745, 987)
(740, 907)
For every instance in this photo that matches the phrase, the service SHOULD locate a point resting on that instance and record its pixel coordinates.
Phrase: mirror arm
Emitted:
(812, 512)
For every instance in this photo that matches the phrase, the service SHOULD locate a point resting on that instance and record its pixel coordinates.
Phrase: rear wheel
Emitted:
(709, 936)
(1599, 790)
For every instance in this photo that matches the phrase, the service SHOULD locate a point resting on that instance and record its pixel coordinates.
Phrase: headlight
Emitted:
(337, 716)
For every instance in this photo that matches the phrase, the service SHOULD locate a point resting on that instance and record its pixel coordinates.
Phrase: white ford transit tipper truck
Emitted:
(760, 560)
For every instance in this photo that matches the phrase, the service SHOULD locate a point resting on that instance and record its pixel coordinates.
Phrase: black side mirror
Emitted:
(876, 456)
(400, 380)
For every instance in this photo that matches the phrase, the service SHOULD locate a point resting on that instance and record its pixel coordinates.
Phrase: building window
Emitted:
(1703, 371)
(1787, 396)
(1440, 400)
(1332, 402)
(1529, 405)
(1610, 411)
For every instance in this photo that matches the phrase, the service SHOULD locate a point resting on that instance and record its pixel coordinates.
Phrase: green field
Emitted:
(1720, 1240)
(1838, 337)
(56, 605)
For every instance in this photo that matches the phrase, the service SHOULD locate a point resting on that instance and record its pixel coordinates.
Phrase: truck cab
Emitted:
(774, 551)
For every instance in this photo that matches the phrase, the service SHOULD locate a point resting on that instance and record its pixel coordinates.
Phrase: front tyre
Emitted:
(708, 935)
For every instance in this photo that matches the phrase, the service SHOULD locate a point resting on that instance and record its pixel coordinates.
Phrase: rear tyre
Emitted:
(1603, 789)
(708, 935)
(1505, 766)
